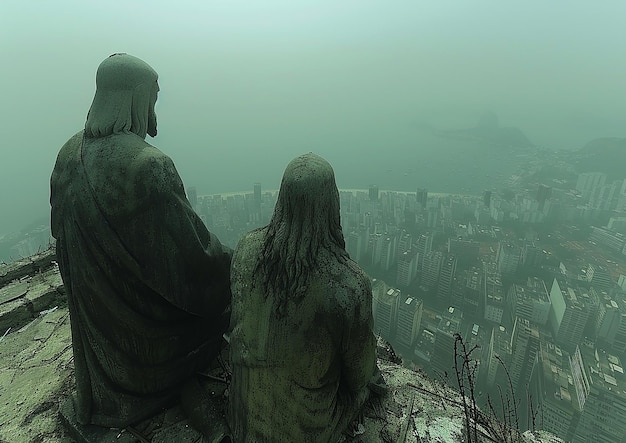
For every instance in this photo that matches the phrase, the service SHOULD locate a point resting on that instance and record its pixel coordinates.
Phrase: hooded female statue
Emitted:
(302, 347)
(147, 284)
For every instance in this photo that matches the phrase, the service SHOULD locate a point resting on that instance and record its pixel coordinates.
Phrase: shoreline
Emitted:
(273, 191)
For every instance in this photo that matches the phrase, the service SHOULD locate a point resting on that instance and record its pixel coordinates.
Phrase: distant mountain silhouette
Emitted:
(607, 154)
(489, 130)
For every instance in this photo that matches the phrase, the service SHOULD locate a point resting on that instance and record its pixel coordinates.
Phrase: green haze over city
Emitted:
(246, 86)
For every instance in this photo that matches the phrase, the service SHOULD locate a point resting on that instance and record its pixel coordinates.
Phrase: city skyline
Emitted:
(537, 279)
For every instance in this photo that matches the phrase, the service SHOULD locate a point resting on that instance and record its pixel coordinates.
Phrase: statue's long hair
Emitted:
(126, 90)
(306, 220)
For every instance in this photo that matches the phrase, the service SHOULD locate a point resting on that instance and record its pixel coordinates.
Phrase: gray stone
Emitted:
(147, 284)
(13, 292)
(26, 266)
(14, 314)
(36, 290)
(302, 347)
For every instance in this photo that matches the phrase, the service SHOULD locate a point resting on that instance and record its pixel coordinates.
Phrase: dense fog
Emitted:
(245, 87)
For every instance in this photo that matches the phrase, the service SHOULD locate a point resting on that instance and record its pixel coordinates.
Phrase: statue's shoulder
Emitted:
(65, 168)
(344, 284)
(354, 276)
(71, 147)
(136, 150)
(74, 140)
(249, 245)
(357, 288)
(145, 162)
(66, 163)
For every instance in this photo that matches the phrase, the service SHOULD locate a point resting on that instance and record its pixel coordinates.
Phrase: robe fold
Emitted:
(147, 284)
(302, 376)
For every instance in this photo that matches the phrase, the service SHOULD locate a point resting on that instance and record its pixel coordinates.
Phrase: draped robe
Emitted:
(302, 376)
(147, 283)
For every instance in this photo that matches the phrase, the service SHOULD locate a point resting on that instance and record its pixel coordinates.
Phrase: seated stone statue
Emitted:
(302, 347)
(148, 286)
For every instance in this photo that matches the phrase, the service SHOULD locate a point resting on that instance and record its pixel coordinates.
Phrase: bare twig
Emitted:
(434, 394)
(503, 430)
(514, 401)
(405, 425)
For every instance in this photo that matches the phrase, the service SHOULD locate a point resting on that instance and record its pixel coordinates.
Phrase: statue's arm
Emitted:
(359, 356)
(198, 263)
(61, 178)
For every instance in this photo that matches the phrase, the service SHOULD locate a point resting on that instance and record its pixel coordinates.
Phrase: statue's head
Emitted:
(306, 220)
(308, 194)
(126, 92)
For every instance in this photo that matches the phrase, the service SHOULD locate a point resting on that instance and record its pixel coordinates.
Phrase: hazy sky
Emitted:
(246, 86)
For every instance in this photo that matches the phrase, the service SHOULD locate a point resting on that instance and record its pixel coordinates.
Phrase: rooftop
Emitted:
(534, 290)
(574, 296)
(558, 383)
(449, 325)
(605, 371)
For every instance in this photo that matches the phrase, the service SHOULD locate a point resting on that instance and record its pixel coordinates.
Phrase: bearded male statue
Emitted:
(302, 347)
(147, 284)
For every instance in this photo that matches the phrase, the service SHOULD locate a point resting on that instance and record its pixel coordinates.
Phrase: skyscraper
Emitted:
(543, 193)
(555, 391)
(530, 301)
(446, 275)
(499, 353)
(508, 257)
(257, 192)
(524, 348)
(442, 360)
(473, 296)
(354, 245)
(431, 268)
(569, 313)
(421, 197)
(404, 243)
(606, 197)
(424, 245)
(388, 252)
(599, 277)
(407, 268)
(384, 310)
(608, 320)
(619, 343)
(602, 394)
(494, 294)
(373, 193)
(588, 182)
(531, 255)
(432, 217)
(409, 321)
(487, 198)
